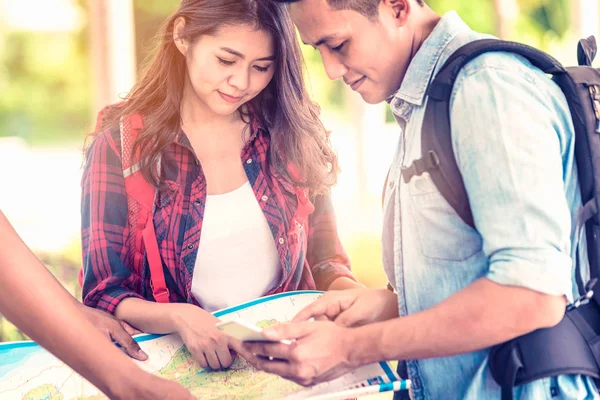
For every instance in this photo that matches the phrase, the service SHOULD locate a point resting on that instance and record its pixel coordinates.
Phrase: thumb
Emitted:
(238, 347)
(130, 346)
(314, 310)
(327, 307)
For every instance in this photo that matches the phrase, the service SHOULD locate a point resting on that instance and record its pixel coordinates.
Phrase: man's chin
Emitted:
(371, 98)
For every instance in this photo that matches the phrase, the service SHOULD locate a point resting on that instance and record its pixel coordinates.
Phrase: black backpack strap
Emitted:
(436, 140)
(573, 346)
(436, 136)
(586, 51)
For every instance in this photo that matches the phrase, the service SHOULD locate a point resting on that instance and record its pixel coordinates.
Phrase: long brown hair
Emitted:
(284, 107)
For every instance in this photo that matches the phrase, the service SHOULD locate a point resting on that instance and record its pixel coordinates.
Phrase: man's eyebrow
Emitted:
(240, 55)
(324, 39)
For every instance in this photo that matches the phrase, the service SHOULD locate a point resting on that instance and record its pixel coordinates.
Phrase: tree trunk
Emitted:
(585, 15)
(506, 15)
(113, 50)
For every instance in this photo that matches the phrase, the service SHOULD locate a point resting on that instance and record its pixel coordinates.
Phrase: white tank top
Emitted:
(237, 258)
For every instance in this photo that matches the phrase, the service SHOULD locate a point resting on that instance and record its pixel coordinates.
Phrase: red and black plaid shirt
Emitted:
(310, 252)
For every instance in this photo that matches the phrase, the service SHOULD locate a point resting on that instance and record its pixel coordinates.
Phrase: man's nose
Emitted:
(333, 67)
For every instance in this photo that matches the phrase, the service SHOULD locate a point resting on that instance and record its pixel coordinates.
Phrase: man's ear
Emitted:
(178, 39)
(399, 9)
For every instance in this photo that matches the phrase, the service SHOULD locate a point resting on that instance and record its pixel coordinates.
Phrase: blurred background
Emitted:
(62, 60)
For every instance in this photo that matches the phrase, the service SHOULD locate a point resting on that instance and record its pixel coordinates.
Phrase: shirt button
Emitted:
(281, 241)
(190, 246)
(197, 202)
(249, 161)
(391, 185)
(264, 198)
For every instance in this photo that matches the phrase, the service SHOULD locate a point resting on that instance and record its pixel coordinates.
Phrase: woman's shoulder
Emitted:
(113, 130)
(106, 140)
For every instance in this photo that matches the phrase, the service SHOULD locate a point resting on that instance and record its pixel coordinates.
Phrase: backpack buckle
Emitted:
(161, 294)
(425, 164)
(582, 300)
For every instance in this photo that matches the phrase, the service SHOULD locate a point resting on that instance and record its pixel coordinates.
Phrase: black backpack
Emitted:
(572, 346)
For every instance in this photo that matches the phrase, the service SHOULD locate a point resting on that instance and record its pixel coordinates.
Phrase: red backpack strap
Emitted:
(140, 201)
(305, 206)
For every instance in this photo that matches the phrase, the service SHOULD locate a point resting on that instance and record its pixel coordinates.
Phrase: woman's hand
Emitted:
(208, 346)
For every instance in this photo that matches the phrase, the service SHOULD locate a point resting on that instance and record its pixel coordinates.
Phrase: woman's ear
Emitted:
(178, 39)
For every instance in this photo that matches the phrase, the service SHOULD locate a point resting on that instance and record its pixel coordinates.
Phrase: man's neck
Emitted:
(427, 20)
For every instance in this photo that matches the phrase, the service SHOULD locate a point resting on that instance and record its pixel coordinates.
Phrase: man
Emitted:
(459, 290)
(54, 319)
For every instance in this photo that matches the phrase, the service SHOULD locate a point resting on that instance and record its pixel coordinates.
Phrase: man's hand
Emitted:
(141, 385)
(353, 307)
(169, 390)
(116, 330)
(319, 352)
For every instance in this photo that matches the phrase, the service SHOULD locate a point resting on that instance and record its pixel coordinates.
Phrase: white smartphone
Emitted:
(245, 331)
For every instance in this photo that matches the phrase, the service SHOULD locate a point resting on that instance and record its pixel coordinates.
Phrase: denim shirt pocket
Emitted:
(442, 234)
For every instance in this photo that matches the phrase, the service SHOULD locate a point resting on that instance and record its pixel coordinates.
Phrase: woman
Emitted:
(59, 325)
(232, 143)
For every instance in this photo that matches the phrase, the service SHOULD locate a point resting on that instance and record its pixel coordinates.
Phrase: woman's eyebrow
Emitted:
(240, 55)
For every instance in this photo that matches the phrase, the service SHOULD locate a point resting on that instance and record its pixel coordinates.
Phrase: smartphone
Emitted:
(245, 331)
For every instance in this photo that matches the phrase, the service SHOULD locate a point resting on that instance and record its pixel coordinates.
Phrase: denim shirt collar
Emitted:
(422, 67)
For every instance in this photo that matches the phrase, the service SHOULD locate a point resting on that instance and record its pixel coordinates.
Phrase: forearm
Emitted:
(334, 274)
(325, 254)
(343, 283)
(479, 316)
(56, 325)
(153, 317)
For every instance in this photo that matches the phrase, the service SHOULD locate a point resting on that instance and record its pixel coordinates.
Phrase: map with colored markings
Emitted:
(28, 372)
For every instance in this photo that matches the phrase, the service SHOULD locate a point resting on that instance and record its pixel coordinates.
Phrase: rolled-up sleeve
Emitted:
(510, 153)
(107, 280)
(325, 254)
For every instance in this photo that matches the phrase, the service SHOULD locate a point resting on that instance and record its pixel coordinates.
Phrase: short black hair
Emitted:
(368, 8)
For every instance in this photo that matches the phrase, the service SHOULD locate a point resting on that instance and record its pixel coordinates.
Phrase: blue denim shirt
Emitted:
(514, 144)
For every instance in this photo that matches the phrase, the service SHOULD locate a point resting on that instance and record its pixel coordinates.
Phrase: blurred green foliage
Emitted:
(149, 16)
(547, 17)
(479, 15)
(44, 81)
